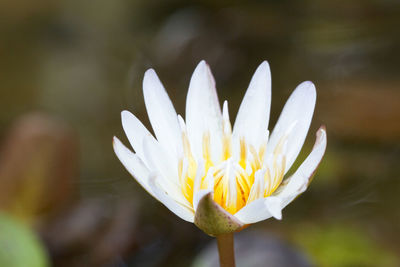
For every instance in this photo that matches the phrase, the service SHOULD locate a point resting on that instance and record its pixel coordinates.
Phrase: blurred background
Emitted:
(67, 69)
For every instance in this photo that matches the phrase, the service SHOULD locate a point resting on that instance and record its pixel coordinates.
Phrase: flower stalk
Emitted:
(226, 250)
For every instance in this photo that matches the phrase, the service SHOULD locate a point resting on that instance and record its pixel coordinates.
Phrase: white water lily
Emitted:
(208, 173)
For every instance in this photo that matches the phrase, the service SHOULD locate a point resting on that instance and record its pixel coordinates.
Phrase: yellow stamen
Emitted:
(206, 151)
(243, 153)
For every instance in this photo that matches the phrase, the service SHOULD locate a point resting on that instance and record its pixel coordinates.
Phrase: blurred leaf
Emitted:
(19, 246)
(341, 245)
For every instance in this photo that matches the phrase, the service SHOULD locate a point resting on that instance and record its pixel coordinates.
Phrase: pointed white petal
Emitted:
(274, 206)
(225, 112)
(135, 131)
(253, 116)
(162, 115)
(297, 113)
(174, 206)
(133, 165)
(203, 112)
(299, 181)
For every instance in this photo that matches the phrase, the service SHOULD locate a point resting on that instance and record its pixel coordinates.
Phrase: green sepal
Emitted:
(213, 219)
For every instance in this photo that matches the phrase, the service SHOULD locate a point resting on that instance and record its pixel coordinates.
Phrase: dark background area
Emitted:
(68, 68)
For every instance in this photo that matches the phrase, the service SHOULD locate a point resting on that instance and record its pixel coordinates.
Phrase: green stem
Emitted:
(226, 250)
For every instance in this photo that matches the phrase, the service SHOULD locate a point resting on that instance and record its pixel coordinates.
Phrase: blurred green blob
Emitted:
(340, 246)
(19, 246)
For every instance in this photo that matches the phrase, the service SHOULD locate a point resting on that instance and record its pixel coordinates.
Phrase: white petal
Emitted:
(133, 165)
(260, 209)
(253, 212)
(174, 206)
(297, 113)
(139, 171)
(135, 131)
(162, 115)
(299, 181)
(203, 112)
(159, 160)
(253, 115)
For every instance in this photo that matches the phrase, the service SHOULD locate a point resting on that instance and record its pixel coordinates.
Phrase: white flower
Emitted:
(205, 172)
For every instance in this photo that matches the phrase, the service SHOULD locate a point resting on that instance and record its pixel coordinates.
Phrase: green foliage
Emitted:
(19, 246)
(341, 246)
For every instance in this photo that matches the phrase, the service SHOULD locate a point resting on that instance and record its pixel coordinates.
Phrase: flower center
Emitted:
(236, 180)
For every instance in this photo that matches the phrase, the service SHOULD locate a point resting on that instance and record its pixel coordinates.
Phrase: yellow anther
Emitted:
(279, 147)
(226, 147)
(256, 159)
(243, 153)
(261, 151)
(268, 182)
(280, 172)
(206, 151)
